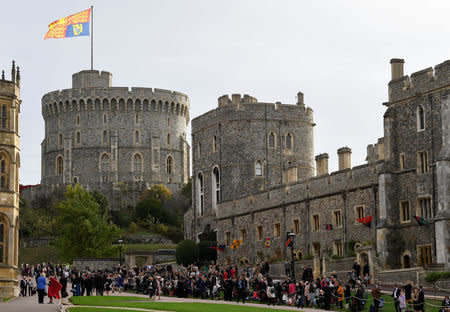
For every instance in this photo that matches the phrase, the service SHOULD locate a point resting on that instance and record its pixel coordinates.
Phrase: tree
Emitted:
(187, 252)
(84, 232)
(103, 203)
(186, 191)
(159, 192)
(151, 207)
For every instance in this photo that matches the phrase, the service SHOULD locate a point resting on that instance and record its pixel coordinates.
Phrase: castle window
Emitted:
(228, 238)
(277, 230)
(4, 170)
(136, 137)
(338, 248)
(422, 162)
(404, 212)
(259, 232)
(104, 163)
(215, 187)
(168, 139)
(78, 137)
(60, 140)
(402, 161)
(316, 223)
(200, 194)
(137, 118)
(105, 137)
(316, 249)
(424, 208)
(271, 140)
(168, 122)
(199, 149)
(59, 166)
(214, 144)
(3, 235)
(4, 117)
(78, 120)
(424, 255)
(243, 235)
(420, 119)
(258, 168)
(337, 218)
(104, 118)
(169, 165)
(60, 122)
(296, 226)
(289, 141)
(137, 163)
(359, 213)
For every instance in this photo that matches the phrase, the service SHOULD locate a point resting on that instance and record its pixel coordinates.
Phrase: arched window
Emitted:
(4, 171)
(137, 118)
(60, 140)
(289, 141)
(78, 119)
(104, 163)
(169, 165)
(3, 240)
(168, 139)
(104, 118)
(199, 150)
(271, 140)
(200, 194)
(78, 137)
(136, 137)
(4, 117)
(137, 163)
(258, 168)
(59, 165)
(215, 186)
(420, 118)
(105, 137)
(214, 144)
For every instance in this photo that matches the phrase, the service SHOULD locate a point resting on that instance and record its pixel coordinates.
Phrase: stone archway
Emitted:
(366, 254)
(406, 259)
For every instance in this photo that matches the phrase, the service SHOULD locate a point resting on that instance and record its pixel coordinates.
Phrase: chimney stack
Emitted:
(345, 158)
(300, 98)
(397, 68)
(322, 164)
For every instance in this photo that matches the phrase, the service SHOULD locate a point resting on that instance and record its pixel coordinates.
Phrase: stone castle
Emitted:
(9, 182)
(113, 139)
(253, 180)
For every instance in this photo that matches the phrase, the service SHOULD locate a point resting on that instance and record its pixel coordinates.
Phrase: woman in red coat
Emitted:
(53, 289)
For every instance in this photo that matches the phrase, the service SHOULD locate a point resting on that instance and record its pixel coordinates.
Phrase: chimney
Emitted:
(397, 68)
(345, 158)
(322, 164)
(236, 98)
(300, 98)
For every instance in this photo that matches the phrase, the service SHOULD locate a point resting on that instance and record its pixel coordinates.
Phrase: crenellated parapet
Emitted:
(116, 98)
(418, 83)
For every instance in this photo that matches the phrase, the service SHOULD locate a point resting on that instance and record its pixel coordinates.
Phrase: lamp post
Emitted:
(120, 242)
(291, 236)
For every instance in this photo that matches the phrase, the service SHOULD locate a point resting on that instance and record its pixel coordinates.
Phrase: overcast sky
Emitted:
(336, 52)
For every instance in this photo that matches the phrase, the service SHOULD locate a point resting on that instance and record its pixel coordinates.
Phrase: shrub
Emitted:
(431, 277)
(132, 228)
(187, 252)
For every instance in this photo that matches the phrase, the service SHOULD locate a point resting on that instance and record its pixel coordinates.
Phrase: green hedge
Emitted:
(434, 276)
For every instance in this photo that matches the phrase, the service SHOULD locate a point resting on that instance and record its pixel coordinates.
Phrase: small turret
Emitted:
(18, 76)
(13, 72)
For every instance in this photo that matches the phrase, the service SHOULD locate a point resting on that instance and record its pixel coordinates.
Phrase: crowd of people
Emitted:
(249, 283)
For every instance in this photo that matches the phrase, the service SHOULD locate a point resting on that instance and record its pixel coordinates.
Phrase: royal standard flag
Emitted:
(71, 26)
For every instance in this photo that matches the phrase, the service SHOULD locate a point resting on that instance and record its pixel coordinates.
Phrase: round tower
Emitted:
(104, 137)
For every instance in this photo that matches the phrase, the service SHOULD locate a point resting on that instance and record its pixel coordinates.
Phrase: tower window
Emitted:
(137, 118)
(316, 223)
(200, 194)
(59, 166)
(338, 248)
(420, 118)
(104, 163)
(4, 117)
(214, 144)
(216, 186)
(105, 137)
(424, 208)
(136, 137)
(169, 165)
(104, 118)
(4, 170)
(359, 212)
(296, 226)
(289, 141)
(258, 169)
(60, 140)
(168, 139)
(137, 163)
(78, 137)
(404, 211)
(402, 161)
(260, 233)
(199, 150)
(272, 140)
(277, 230)
(78, 120)
(422, 162)
(337, 218)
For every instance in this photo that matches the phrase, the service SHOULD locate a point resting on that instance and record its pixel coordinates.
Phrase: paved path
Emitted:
(29, 304)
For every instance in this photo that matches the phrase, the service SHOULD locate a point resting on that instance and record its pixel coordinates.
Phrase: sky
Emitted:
(336, 52)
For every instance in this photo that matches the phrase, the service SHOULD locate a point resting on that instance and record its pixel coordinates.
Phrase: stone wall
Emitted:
(94, 264)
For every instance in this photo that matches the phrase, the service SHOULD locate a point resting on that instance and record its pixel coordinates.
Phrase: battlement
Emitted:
(236, 99)
(419, 82)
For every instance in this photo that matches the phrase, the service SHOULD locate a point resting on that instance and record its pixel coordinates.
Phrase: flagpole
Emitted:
(92, 37)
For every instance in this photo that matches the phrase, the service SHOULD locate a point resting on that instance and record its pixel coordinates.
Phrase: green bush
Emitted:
(187, 252)
(431, 277)
(336, 257)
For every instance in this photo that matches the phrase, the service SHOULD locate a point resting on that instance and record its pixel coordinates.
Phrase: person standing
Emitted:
(395, 295)
(40, 287)
(53, 289)
(23, 286)
(402, 301)
(421, 299)
(376, 295)
(340, 295)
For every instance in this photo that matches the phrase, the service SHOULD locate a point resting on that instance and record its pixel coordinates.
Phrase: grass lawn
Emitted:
(167, 306)
(139, 302)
